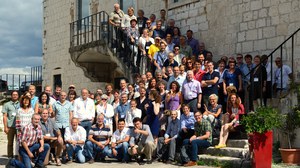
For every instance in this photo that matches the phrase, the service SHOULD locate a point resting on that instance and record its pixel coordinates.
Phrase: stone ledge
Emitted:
(231, 162)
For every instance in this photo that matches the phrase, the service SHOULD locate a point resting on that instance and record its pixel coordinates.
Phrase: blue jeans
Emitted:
(194, 145)
(78, 152)
(87, 126)
(122, 152)
(92, 150)
(34, 148)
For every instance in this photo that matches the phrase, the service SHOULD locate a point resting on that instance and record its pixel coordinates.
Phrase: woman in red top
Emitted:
(234, 109)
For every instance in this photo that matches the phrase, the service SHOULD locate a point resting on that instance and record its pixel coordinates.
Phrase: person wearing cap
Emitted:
(72, 87)
(107, 110)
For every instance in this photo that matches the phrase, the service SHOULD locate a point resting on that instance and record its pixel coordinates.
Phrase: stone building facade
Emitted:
(58, 68)
(227, 27)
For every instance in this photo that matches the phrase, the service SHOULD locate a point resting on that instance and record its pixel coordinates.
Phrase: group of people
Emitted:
(174, 107)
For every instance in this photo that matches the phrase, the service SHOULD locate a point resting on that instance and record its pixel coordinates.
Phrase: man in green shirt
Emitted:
(9, 120)
(202, 138)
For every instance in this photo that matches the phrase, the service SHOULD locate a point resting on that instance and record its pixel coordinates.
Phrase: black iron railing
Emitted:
(285, 51)
(94, 30)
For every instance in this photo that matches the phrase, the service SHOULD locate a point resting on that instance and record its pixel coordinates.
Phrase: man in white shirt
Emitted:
(75, 137)
(119, 142)
(286, 73)
(84, 110)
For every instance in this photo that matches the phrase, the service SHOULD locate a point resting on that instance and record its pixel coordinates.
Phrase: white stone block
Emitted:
(194, 28)
(251, 34)
(255, 15)
(284, 19)
(238, 48)
(285, 8)
(275, 20)
(269, 32)
(266, 3)
(251, 25)
(272, 43)
(203, 26)
(202, 3)
(260, 23)
(244, 7)
(247, 46)
(201, 18)
(263, 13)
(273, 11)
(282, 29)
(259, 34)
(241, 36)
(255, 5)
(193, 13)
(243, 26)
(247, 16)
(191, 21)
(234, 9)
(295, 16)
(260, 45)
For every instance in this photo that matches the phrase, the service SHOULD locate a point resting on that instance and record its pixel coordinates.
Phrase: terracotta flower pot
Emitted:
(290, 156)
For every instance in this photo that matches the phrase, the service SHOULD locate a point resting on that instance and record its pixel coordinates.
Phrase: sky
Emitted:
(20, 35)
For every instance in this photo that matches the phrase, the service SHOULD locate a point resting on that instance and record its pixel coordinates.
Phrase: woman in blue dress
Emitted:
(152, 113)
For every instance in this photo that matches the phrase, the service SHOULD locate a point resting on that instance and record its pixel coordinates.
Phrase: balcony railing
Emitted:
(95, 30)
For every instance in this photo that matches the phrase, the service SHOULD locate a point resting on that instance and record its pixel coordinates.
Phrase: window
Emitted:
(83, 8)
(57, 81)
(178, 3)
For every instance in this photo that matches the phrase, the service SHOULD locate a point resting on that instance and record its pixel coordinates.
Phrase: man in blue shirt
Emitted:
(123, 108)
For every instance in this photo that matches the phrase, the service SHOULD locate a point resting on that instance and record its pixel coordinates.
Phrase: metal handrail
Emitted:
(280, 47)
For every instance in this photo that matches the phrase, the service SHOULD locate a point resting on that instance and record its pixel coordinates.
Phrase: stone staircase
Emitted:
(235, 155)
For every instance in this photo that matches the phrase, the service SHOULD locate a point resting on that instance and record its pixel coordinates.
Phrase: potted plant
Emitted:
(259, 126)
(291, 122)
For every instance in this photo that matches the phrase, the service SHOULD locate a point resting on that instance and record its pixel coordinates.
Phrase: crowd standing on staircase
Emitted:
(180, 99)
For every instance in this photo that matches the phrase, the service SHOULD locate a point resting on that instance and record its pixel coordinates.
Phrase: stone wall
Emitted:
(56, 43)
(236, 26)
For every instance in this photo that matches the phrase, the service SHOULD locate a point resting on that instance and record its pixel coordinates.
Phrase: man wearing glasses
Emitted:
(282, 75)
(202, 138)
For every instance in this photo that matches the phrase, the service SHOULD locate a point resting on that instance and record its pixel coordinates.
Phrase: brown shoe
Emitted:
(190, 163)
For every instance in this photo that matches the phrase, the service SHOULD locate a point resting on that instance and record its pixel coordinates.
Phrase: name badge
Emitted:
(190, 94)
(14, 114)
(255, 79)
(147, 47)
(209, 86)
(230, 84)
(163, 27)
(140, 25)
(48, 135)
(122, 116)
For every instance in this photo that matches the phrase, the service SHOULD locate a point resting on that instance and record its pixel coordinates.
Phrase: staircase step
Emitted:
(228, 151)
(238, 143)
(234, 143)
(224, 161)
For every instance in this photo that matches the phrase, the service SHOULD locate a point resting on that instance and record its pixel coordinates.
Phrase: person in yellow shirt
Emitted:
(153, 49)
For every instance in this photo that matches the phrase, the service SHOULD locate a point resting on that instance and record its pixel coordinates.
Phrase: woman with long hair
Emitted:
(144, 44)
(72, 96)
(43, 103)
(174, 98)
(231, 119)
(152, 113)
